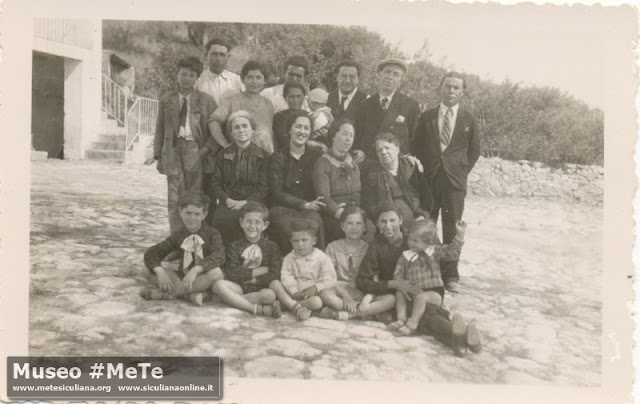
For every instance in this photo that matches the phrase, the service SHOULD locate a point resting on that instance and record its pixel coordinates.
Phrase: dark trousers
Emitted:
(189, 178)
(436, 322)
(450, 201)
(227, 222)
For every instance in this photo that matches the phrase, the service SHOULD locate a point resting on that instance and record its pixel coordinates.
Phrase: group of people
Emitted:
(347, 187)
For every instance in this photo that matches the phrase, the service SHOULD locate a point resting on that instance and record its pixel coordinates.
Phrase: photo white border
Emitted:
(620, 26)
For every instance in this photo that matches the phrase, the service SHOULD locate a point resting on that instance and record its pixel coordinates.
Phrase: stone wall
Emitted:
(571, 182)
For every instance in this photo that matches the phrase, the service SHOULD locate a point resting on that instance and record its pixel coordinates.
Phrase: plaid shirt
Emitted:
(423, 268)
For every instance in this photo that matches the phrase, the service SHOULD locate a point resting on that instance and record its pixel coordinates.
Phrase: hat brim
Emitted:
(397, 62)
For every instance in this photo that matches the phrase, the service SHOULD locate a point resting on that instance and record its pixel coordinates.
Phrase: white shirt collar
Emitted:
(389, 97)
(349, 96)
(443, 109)
(223, 75)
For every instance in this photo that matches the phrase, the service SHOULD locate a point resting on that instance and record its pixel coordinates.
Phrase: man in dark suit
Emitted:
(447, 142)
(346, 100)
(182, 143)
(387, 111)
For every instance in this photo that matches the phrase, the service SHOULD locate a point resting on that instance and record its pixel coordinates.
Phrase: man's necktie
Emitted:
(183, 113)
(445, 136)
(342, 101)
(384, 103)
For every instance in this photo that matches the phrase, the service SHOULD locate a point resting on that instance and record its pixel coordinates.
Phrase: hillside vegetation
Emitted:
(519, 123)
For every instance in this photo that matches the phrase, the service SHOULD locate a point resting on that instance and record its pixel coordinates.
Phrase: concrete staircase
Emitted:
(111, 141)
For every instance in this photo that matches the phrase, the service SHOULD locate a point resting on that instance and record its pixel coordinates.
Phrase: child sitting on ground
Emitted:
(343, 302)
(253, 262)
(321, 118)
(306, 273)
(421, 265)
(203, 255)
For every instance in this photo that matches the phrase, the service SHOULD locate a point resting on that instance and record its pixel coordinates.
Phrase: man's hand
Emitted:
(415, 162)
(461, 229)
(164, 282)
(159, 165)
(322, 132)
(358, 156)
(316, 204)
(304, 294)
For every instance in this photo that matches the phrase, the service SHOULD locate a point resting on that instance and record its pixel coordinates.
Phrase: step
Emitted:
(112, 137)
(115, 130)
(115, 155)
(108, 145)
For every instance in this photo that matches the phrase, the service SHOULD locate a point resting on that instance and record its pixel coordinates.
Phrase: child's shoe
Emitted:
(328, 313)
(473, 338)
(385, 318)
(409, 328)
(453, 287)
(196, 298)
(155, 294)
(458, 334)
(396, 325)
(301, 312)
(276, 310)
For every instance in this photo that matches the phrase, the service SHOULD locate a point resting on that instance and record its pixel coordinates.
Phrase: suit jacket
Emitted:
(333, 102)
(168, 127)
(400, 118)
(460, 155)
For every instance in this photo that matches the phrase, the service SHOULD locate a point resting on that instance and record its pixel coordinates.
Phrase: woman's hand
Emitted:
(415, 162)
(340, 210)
(316, 204)
(358, 156)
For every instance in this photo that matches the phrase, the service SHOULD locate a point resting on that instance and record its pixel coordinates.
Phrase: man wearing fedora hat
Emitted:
(387, 111)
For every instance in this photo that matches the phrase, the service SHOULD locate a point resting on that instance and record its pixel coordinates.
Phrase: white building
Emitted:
(66, 86)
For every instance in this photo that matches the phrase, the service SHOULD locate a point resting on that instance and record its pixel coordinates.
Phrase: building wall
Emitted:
(79, 42)
(47, 104)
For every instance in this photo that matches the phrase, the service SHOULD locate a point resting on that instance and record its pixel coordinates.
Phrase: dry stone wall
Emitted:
(571, 182)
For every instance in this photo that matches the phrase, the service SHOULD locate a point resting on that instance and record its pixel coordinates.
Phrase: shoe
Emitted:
(396, 325)
(453, 287)
(408, 328)
(301, 312)
(384, 318)
(458, 334)
(154, 294)
(328, 313)
(473, 338)
(196, 298)
(276, 310)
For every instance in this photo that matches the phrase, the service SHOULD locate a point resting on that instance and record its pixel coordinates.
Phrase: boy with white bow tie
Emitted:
(203, 255)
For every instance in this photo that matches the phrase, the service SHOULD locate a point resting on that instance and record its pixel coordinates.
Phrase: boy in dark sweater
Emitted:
(200, 264)
(253, 262)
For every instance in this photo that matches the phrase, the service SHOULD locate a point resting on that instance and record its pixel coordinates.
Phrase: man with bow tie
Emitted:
(447, 142)
(387, 111)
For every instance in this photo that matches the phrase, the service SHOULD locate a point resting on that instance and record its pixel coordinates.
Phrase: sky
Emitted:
(563, 47)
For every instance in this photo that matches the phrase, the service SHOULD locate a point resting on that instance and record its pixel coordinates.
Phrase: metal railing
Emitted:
(141, 119)
(114, 100)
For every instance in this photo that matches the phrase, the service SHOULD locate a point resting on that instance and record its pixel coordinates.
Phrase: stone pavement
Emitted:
(531, 271)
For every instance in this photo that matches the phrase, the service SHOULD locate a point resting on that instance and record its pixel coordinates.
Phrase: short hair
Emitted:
(192, 63)
(387, 137)
(348, 63)
(240, 114)
(337, 124)
(387, 206)
(195, 198)
(305, 225)
(293, 117)
(288, 86)
(454, 75)
(217, 41)
(352, 210)
(421, 227)
(298, 61)
(252, 65)
(254, 206)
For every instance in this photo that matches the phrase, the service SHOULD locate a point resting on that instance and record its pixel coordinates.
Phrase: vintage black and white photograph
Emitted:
(383, 200)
